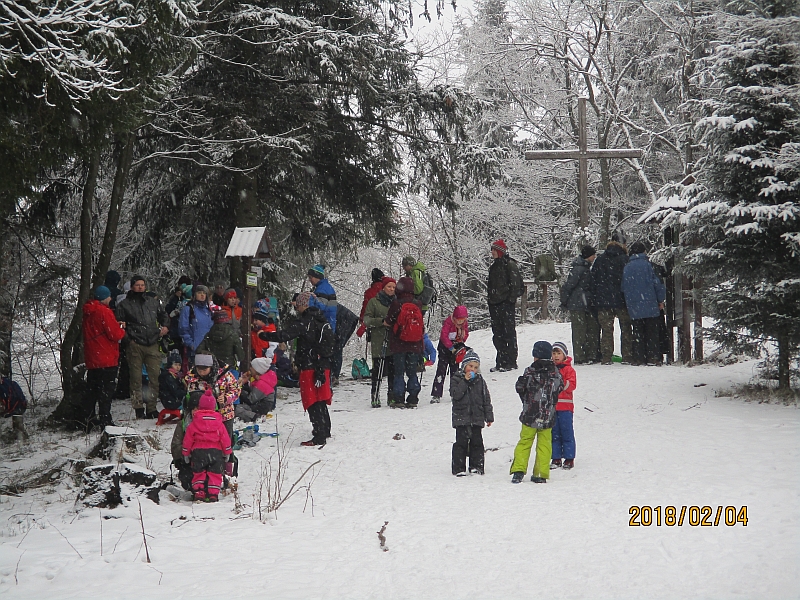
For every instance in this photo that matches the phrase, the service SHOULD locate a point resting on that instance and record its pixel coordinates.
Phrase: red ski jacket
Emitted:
(570, 383)
(101, 336)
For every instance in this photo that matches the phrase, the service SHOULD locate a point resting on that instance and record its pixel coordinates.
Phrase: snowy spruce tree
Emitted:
(741, 225)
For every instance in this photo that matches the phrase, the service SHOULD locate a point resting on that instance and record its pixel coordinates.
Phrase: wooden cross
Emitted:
(583, 154)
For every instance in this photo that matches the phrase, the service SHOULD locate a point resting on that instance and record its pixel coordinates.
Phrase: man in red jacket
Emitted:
(101, 336)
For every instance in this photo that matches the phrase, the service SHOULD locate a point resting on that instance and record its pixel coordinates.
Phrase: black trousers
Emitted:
(645, 343)
(388, 371)
(320, 422)
(123, 388)
(504, 333)
(446, 360)
(100, 386)
(469, 443)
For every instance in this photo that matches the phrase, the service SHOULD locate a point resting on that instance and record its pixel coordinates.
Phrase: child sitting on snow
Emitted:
(258, 387)
(538, 388)
(472, 407)
(207, 447)
(171, 390)
(563, 434)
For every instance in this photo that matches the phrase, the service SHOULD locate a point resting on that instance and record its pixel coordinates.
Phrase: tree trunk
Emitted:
(71, 348)
(247, 210)
(784, 352)
(7, 297)
(124, 161)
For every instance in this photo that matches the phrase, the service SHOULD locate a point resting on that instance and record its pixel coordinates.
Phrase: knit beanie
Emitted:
(471, 356)
(377, 275)
(542, 349)
(199, 288)
(302, 300)
(460, 312)
(173, 358)
(500, 246)
(207, 401)
(637, 248)
(561, 346)
(101, 292)
(231, 293)
(387, 280)
(261, 316)
(317, 271)
(405, 285)
(221, 316)
(588, 251)
(408, 261)
(112, 279)
(260, 365)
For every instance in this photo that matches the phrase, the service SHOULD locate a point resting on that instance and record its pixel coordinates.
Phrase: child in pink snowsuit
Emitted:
(455, 330)
(207, 446)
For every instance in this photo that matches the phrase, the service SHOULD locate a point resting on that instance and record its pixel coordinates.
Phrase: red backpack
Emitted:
(409, 326)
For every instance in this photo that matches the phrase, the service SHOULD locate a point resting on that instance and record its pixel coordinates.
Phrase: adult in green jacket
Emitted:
(374, 315)
(223, 341)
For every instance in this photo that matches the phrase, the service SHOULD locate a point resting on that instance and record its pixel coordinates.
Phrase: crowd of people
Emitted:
(206, 380)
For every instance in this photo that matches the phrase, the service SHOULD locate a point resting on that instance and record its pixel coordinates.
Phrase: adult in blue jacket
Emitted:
(324, 297)
(195, 320)
(644, 296)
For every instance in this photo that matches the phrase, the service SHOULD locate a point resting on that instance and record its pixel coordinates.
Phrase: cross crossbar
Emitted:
(577, 154)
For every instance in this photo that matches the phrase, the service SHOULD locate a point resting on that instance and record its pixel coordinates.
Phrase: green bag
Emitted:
(360, 369)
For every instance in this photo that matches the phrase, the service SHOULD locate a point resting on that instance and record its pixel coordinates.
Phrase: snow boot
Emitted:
(569, 463)
(199, 496)
(476, 471)
(151, 414)
(556, 464)
(517, 477)
(461, 474)
(213, 498)
(538, 479)
(376, 403)
(311, 443)
(435, 400)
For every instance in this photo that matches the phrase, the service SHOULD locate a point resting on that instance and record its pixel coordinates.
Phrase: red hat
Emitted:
(207, 401)
(500, 246)
(385, 280)
(221, 316)
(230, 294)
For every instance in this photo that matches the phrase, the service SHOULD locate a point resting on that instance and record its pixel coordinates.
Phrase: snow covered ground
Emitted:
(645, 436)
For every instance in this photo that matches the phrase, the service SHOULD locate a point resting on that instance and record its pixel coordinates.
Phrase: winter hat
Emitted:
(184, 280)
(588, 251)
(260, 365)
(500, 246)
(174, 357)
(471, 356)
(207, 401)
(460, 312)
(561, 346)
(261, 316)
(101, 292)
(221, 316)
(317, 271)
(637, 248)
(231, 293)
(619, 237)
(203, 360)
(112, 279)
(187, 290)
(302, 300)
(408, 261)
(136, 278)
(405, 285)
(387, 280)
(542, 349)
(377, 275)
(199, 288)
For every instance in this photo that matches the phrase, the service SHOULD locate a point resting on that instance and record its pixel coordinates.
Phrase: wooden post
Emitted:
(246, 315)
(698, 323)
(583, 165)
(670, 304)
(523, 304)
(686, 320)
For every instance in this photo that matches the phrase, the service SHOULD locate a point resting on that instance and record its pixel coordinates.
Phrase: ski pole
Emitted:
(380, 368)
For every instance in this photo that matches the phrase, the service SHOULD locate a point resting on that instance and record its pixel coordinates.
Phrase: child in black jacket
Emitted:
(171, 390)
(472, 407)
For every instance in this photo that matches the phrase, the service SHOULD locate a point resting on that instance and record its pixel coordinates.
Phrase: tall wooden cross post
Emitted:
(583, 154)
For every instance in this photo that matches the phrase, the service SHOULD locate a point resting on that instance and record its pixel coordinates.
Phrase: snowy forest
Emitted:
(137, 136)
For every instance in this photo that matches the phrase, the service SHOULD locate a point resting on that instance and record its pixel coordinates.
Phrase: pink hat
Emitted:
(207, 401)
(460, 312)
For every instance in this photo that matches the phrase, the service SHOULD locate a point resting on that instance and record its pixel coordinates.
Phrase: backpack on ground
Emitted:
(13, 401)
(360, 369)
(428, 295)
(409, 326)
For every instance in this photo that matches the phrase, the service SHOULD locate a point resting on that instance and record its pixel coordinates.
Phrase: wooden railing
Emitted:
(542, 304)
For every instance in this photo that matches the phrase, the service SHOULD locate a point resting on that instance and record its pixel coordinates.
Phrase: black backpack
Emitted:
(428, 295)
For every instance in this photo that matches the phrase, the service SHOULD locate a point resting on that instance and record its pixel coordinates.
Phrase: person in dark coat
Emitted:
(577, 297)
(145, 321)
(223, 341)
(644, 296)
(101, 337)
(112, 283)
(315, 342)
(171, 390)
(323, 296)
(346, 323)
(504, 287)
(372, 291)
(472, 407)
(406, 353)
(608, 298)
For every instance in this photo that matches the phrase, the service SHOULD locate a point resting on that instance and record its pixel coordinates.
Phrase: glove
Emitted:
(187, 459)
(266, 336)
(361, 330)
(319, 377)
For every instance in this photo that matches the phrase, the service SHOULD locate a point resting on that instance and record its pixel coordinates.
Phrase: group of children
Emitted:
(545, 388)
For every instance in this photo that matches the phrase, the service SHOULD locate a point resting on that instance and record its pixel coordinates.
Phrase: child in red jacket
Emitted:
(563, 434)
(207, 446)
